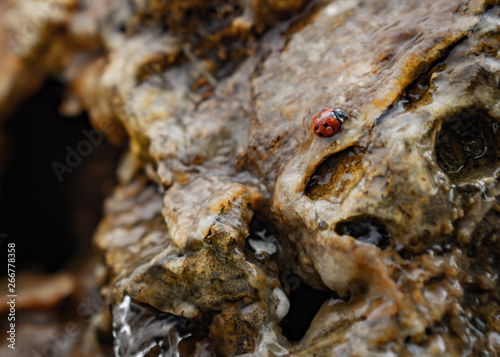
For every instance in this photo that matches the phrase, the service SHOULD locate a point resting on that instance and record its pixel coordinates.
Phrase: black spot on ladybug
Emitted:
(320, 134)
(317, 127)
(325, 125)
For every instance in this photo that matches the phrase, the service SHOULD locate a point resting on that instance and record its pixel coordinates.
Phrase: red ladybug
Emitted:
(328, 121)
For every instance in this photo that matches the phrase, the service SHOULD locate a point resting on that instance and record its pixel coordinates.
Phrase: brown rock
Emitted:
(226, 189)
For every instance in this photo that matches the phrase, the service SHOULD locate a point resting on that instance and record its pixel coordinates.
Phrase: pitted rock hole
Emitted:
(305, 303)
(337, 175)
(468, 146)
(365, 229)
(262, 243)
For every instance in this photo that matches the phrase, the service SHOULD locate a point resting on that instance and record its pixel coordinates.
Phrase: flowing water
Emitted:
(138, 330)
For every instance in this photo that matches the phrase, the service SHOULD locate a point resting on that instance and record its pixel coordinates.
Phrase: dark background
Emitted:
(51, 222)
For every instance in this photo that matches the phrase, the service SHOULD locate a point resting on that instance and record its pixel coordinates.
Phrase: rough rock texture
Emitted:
(225, 187)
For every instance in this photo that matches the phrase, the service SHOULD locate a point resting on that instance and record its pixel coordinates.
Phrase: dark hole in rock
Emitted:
(53, 218)
(305, 302)
(489, 6)
(336, 175)
(322, 225)
(262, 243)
(468, 146)
(365, 229)
(418, 92)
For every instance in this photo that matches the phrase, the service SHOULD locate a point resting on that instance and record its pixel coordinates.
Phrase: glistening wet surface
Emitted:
(468, 146)
(232, 216)
(140, 331)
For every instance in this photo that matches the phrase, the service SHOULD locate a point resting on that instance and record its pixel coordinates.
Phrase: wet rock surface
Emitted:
(228, 205)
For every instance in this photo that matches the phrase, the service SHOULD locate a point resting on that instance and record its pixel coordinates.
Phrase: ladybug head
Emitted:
(340, 115)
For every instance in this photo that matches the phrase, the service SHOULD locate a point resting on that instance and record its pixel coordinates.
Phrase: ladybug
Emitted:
(328, 121)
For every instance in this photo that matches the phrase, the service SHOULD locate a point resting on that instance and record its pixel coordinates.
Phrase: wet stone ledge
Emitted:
(233, 229)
